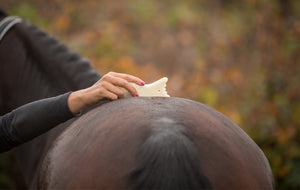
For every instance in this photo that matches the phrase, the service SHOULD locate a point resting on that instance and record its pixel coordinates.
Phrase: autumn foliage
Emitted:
(241, 58)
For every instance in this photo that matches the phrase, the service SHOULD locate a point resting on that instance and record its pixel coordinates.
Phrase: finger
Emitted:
(129, 78)
(113, 89)
(124, 84)
(110, 95)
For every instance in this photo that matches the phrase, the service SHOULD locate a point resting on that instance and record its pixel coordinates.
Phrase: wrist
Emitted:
(76, 101)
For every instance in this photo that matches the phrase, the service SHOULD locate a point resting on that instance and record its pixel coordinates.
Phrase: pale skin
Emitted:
(109, 86)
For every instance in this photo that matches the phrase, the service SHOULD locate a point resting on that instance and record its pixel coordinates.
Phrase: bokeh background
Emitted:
(240, 57)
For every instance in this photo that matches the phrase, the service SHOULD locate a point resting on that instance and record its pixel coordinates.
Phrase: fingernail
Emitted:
(143, 83)
(137, 95)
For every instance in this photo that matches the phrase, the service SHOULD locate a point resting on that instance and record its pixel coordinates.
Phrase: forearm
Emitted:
(32, 120)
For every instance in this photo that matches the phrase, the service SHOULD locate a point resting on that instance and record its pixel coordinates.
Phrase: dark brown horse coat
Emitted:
(112, 146)
(135, 143)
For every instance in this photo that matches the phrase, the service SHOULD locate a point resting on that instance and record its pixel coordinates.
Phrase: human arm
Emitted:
(32, 120)
(36, 118)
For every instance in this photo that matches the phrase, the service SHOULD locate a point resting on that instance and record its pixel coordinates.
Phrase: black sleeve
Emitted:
(32, 120)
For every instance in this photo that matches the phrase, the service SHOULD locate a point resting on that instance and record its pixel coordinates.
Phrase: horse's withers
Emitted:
(106, 147)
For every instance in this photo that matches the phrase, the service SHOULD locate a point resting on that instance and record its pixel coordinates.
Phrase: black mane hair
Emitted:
(38, 66)
(2, 12)
(54, 59)
(168, 160)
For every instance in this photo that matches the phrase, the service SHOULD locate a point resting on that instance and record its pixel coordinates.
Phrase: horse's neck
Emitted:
(35, 66)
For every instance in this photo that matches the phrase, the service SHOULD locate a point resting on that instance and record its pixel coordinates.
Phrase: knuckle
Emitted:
(100, 91)
(127, 77)
(124, 83)
(104, 77)
(103, 85)
(108, 75)
(120, 93)
(114, 97)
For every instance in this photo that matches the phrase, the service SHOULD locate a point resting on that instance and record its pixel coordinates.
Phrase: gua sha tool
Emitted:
(155, 89)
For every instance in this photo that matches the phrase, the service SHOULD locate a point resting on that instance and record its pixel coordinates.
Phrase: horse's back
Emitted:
(154, 142)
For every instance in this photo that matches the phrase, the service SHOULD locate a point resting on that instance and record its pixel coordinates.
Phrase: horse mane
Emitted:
(35, 65)
(61, 67)
(2, 12)
(38, 66)
(168, 160)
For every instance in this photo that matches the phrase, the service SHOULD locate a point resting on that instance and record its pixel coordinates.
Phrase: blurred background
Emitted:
(242, 58)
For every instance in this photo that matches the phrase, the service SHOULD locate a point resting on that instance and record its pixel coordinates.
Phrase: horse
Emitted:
(133, 143)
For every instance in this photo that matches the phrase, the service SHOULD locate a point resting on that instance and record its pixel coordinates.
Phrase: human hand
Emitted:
(109, 86)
